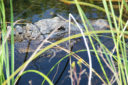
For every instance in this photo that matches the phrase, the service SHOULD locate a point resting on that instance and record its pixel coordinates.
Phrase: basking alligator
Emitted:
(41, 29)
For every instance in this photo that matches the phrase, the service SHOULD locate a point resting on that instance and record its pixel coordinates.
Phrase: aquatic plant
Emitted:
(117, 30)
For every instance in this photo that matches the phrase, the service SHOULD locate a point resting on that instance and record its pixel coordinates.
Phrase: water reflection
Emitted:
(34, 10)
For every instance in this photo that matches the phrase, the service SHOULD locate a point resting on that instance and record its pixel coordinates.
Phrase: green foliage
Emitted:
(37, 72)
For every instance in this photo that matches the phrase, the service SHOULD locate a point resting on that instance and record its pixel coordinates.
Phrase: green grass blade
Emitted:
(38, 72)
(2, 47)
(12, 41)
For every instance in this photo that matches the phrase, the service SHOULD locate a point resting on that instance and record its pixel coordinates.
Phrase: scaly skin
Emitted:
(41, 29)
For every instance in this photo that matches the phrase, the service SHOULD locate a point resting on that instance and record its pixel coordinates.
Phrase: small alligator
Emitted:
(41, 29)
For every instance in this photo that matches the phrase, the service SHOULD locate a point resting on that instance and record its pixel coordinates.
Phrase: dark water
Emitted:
(34, 10)
(43, 64)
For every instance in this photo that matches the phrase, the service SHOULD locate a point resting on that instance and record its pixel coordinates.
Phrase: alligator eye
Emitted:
(20, 32)
(61, 28)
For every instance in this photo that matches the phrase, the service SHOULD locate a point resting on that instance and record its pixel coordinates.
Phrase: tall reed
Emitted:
(116, 24)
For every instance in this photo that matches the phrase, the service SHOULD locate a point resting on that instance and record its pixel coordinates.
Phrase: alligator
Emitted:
(40, 30)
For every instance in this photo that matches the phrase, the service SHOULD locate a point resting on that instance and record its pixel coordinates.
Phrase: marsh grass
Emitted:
(122, 77)
(120, 74)
(117, 30)
(4, 59)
